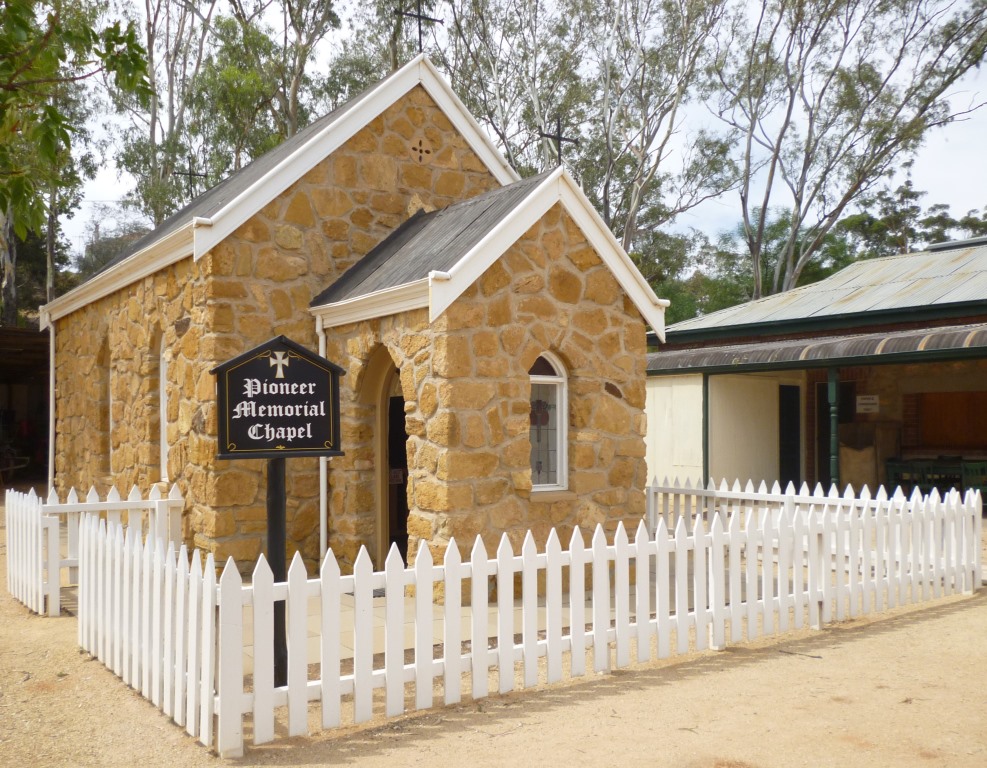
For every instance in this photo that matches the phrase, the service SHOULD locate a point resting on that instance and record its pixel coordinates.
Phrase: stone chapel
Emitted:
(490, 329)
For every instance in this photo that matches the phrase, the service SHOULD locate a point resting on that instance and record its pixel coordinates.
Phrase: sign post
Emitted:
(278, 400)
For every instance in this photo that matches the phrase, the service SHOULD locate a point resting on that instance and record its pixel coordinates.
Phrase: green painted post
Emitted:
(705, 429)
(834, 425)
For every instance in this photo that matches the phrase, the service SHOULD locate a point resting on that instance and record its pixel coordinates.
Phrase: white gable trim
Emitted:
(557, 188)
(443, 288)
(201, 235)
(419, 71)
(137, 266)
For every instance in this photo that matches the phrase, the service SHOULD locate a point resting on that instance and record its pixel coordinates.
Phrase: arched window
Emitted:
(549, 425)
(162, 404)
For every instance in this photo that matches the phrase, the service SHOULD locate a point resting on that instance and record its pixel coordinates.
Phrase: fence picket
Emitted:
(329, 641)
(601, 601)
(479, 597)
(577, 602)
(363, 637)
(136, 558)
(157, 587)
(622, 589)
(553, 608)
(296, 618)
(394, 632)
(181, 638)
(754, 552)
(786, 543)
(700, 580)
(642, 592)
(663, 546)
(147, 580)
(717, 585)
(424, 591)
(229, 680)
(505, 616)
(194, 646)
(207, 669)
(529, 610)
(452, 627)
(263, 633)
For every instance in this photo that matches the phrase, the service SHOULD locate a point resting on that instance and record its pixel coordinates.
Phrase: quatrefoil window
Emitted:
(421, 150)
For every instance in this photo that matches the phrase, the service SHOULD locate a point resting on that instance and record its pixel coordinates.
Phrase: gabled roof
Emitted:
(433, 258)
(214, 215)
(947, 279)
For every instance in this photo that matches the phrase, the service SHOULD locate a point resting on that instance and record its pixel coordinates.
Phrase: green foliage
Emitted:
(829, 99)
(112, 231)
(229, 102)
(45, 45)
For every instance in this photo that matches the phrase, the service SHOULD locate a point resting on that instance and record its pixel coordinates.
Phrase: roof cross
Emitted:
(189, 175)
(419, 17)
(558, 138)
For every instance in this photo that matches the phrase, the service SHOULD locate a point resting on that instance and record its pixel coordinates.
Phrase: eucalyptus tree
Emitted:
(518, 65)
(45, 47)
(296, 29)
(155, 144)
(829, 100)
(640, 166)
(228, 102)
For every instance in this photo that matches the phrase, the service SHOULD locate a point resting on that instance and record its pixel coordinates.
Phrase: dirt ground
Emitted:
(903, 689)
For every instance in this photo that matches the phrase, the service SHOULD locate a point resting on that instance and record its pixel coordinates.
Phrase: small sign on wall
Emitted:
(868, 403)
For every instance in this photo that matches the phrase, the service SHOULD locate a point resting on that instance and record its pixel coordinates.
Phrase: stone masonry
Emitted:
(466, 389)
(256, 284)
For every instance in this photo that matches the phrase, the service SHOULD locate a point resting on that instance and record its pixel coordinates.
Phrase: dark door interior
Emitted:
(789, 434)
(397, 477)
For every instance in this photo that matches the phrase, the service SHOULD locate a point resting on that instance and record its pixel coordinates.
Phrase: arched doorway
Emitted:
(380, 390)
(396, 499)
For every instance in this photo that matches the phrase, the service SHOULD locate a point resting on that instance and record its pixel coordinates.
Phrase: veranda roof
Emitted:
(949, 342)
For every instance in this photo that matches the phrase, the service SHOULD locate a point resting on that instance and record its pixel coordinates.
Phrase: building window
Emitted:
(162, 409)
(549, 422)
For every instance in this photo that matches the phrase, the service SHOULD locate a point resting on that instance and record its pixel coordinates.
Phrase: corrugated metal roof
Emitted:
(913, 345)
(936, 277)
(429, 241)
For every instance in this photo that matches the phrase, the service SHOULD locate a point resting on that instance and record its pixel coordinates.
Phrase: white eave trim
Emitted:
(419, 71)
(439, 290)
(558, 187)
(390, 301)
(137, 266)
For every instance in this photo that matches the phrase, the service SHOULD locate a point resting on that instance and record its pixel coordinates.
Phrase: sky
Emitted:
(950, 167)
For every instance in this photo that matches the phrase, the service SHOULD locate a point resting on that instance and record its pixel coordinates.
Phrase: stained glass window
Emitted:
(548, 425)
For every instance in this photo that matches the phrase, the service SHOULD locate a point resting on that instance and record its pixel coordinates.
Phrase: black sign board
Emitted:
(278, 400)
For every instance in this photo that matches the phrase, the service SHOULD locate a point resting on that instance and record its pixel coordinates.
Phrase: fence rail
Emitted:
(43, 536)
(159, 618)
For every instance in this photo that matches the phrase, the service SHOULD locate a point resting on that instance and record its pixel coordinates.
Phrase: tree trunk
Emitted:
(50, 247)
(8, 258)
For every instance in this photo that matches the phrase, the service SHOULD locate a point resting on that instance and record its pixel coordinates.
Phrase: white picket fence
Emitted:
(173, 632)
(43, 536)
(158, 617)
(32, 553)
(149, 614)
(673, 500)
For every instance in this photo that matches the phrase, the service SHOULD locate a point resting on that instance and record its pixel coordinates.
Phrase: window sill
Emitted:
(552, 494)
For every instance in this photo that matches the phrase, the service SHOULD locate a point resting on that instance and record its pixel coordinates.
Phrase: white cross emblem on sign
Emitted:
(280, 359)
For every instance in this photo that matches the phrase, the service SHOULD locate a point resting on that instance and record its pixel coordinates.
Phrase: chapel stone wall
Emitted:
(256, 284)
(467, 411)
